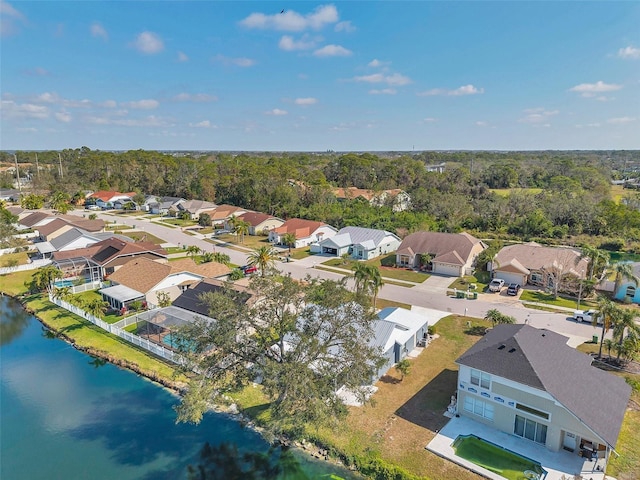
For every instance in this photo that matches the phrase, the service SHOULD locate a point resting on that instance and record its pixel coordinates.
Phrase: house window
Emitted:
(478, 407)
(532, 411)
(480, 378)
(631, 291)
(536, 278)
(530, 430)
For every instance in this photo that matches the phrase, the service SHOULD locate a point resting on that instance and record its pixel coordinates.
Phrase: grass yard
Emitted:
(542, 297)
(137, 236)
(493, 458)
(382, 303)
(250, 241)
(382, 263)
(177, 222)
(14, 259)
(481, 279)
(113, 227)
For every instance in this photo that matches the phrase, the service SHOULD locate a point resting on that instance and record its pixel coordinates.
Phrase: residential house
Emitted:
(149, 277)
(70, 239)
(628, 291)
(160, 205)
(359, 243)
(191, 298)
(10, 194)
(192, 207)
(98, 261)
(260, 223)
(105, 199)
(222, 213)
(306, 232)
(397, 331)
(532, 263)
(397, 198)
(529, 383)
(450, 253)
(35, 219)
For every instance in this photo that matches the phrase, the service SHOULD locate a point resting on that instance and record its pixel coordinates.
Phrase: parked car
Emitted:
(588, 316)
(221, 232)
(513, 289)
(496, 285)
(249, 269)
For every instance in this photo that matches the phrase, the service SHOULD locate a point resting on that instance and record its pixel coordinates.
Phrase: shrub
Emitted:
(614, 245)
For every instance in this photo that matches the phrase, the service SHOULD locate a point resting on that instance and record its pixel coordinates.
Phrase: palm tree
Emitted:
(64, 293)
(496, 317)
(367, 280)
(626, 322)
(44, 277)
(597, 259)
(289, 239)
(241, 228)
(609, 344)
(222, 258)
(623, 271)
(60, 202)
(96, 307)
(607, 313)
(193, 250)
(262, 258)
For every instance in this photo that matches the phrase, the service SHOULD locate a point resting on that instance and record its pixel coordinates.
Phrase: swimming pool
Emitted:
(62, 283)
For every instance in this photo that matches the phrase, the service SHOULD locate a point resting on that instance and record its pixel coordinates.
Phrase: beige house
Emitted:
(149, 277)
(451, 253)
(260, 223)
(529, 383)
(535, 264)
(224, 212)
(193, 207)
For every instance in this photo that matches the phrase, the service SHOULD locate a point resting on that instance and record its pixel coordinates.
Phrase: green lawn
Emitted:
(113, 227)
(561, 301)
(249, 241)
(177, 222)
(13, 259)
(481, 279)
(494, 458)
(382, 264)
(137, 236)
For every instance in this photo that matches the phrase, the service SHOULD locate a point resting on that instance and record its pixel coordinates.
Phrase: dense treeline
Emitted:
(563, 193)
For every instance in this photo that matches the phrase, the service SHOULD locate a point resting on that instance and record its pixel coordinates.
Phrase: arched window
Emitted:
(631, 291)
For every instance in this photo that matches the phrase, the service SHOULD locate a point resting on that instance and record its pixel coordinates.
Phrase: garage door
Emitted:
(510, 277)
(444, 269)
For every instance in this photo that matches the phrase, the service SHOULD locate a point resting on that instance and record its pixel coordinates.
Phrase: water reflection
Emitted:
(12, 322)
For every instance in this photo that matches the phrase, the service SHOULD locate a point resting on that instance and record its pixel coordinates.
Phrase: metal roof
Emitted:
(121, 293)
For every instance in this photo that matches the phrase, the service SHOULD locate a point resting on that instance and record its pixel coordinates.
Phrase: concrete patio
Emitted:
(560, 465)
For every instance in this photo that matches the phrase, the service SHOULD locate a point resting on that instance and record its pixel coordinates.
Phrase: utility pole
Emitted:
(60, 161)
(15, 157)
(37, 167)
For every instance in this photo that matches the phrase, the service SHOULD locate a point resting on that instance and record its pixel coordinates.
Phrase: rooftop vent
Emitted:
(511, 350)
(501, 347)
(544, 334)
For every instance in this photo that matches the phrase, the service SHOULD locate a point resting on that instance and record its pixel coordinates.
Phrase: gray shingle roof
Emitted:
(534, 256)
(439, 244)
(367, 237)
(541, 359)
(66, 238)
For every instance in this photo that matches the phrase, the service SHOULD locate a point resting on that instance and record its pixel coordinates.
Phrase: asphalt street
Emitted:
(418, 296)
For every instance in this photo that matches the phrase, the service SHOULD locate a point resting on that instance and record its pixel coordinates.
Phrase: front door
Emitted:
(569, 442)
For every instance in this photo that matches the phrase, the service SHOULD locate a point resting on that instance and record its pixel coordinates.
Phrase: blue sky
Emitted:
(353, 75)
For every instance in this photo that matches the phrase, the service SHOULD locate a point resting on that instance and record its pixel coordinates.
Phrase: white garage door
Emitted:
(444, 269)
(510, 277)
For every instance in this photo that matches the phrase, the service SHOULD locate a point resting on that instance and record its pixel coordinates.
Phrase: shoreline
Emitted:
(178, 388)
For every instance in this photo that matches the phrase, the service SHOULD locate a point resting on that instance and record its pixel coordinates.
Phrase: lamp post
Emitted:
(580, 291)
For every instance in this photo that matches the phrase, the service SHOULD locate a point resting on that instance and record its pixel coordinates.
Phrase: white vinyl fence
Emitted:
(118, 329)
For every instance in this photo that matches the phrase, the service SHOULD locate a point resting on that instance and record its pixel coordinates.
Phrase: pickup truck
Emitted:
(588, 316)
(496, 285)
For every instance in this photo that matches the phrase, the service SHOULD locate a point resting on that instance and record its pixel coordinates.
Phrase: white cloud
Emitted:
(9, 19)
(238, 62)
(621, 120)
(197, 97)
(306, 101)
(538, 115)
(629, 52)
(291, 21)
(63, 116)
(98, 31)
(463, 90)
(345, 26)
(37, 72)
(149, 121)
(12, 109)
(384, 91)
(482, 123)
(203, 124)
(430, 120)
(591, 89)
(145, 104)
(108, 104)
(589, 125)
(182, 57)
(332, 51)
(277, 112)
(148, 43)
(288, 43)
(395, 79)
(375, 63)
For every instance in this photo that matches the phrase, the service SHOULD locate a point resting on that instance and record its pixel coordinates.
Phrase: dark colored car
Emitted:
(513, 289)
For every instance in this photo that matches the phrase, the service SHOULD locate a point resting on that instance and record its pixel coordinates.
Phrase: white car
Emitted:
(496, 285)
(588, 316)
